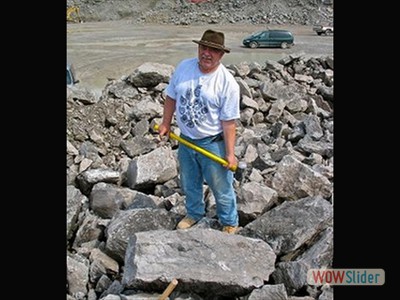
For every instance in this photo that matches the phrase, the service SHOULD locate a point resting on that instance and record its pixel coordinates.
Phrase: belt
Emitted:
(218, 137)
(210, 139)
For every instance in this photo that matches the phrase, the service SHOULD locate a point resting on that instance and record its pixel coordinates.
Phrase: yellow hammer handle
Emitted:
(199, 149)
(169, 289)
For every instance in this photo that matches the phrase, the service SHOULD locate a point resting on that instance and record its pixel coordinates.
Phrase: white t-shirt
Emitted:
(203, 100)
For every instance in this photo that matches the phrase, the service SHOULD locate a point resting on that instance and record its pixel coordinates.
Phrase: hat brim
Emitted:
(212, 45)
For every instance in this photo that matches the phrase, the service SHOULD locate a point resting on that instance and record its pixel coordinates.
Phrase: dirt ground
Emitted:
(112, 49)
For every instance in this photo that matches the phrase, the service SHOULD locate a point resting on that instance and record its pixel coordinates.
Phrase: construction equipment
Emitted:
(199, 149)
(73, 14)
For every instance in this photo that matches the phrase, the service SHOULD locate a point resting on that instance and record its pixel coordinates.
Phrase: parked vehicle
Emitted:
(270, 38)
(71, 79)
(321, 29)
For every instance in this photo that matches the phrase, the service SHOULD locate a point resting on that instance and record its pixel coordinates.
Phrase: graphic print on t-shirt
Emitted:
(192, 109)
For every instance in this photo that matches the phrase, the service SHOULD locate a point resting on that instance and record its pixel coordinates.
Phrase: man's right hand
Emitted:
(163, 130)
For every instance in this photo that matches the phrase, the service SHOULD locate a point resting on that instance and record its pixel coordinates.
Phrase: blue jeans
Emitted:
(195, 168)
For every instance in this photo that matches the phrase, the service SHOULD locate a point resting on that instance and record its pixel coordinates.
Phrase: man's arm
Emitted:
(229, 128)
(169, 109)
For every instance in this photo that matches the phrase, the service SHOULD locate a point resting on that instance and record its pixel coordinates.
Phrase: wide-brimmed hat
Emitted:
(213, 39)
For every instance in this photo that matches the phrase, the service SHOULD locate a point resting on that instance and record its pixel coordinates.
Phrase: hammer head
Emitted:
(240, 171)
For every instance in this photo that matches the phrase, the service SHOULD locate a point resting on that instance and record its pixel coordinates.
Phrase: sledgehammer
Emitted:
(169, 289)
(199, 149)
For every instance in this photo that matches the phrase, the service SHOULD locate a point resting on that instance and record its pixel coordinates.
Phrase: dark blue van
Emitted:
(270, 38)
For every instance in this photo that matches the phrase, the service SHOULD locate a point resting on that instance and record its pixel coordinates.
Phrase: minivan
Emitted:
(270, 38)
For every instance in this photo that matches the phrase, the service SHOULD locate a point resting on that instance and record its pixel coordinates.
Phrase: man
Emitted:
(205, 98)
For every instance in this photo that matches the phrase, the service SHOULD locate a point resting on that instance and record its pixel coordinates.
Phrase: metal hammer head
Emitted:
(241, 167)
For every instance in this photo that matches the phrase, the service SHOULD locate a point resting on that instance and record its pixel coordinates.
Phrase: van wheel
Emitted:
(284, 45)
(253, 45)
(328, 32)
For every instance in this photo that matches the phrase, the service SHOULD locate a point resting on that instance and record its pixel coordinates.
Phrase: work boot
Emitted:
(185, 223)
(230, 229)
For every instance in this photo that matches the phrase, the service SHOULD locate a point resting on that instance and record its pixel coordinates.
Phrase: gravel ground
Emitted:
(111, 49)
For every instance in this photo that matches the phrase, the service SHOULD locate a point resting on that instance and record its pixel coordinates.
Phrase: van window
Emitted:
(258, 33)
(273, 34)
(282, 34)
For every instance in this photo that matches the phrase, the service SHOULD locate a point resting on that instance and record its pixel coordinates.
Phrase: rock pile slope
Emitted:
(124, 198)
(186, 12)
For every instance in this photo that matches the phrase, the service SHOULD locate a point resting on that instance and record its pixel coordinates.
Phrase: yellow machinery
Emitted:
(73, 14)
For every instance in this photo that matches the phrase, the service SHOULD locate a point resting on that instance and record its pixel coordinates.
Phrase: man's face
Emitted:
(209, 58)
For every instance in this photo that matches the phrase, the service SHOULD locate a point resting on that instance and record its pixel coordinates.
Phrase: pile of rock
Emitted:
(185, 12)
(124, 198)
